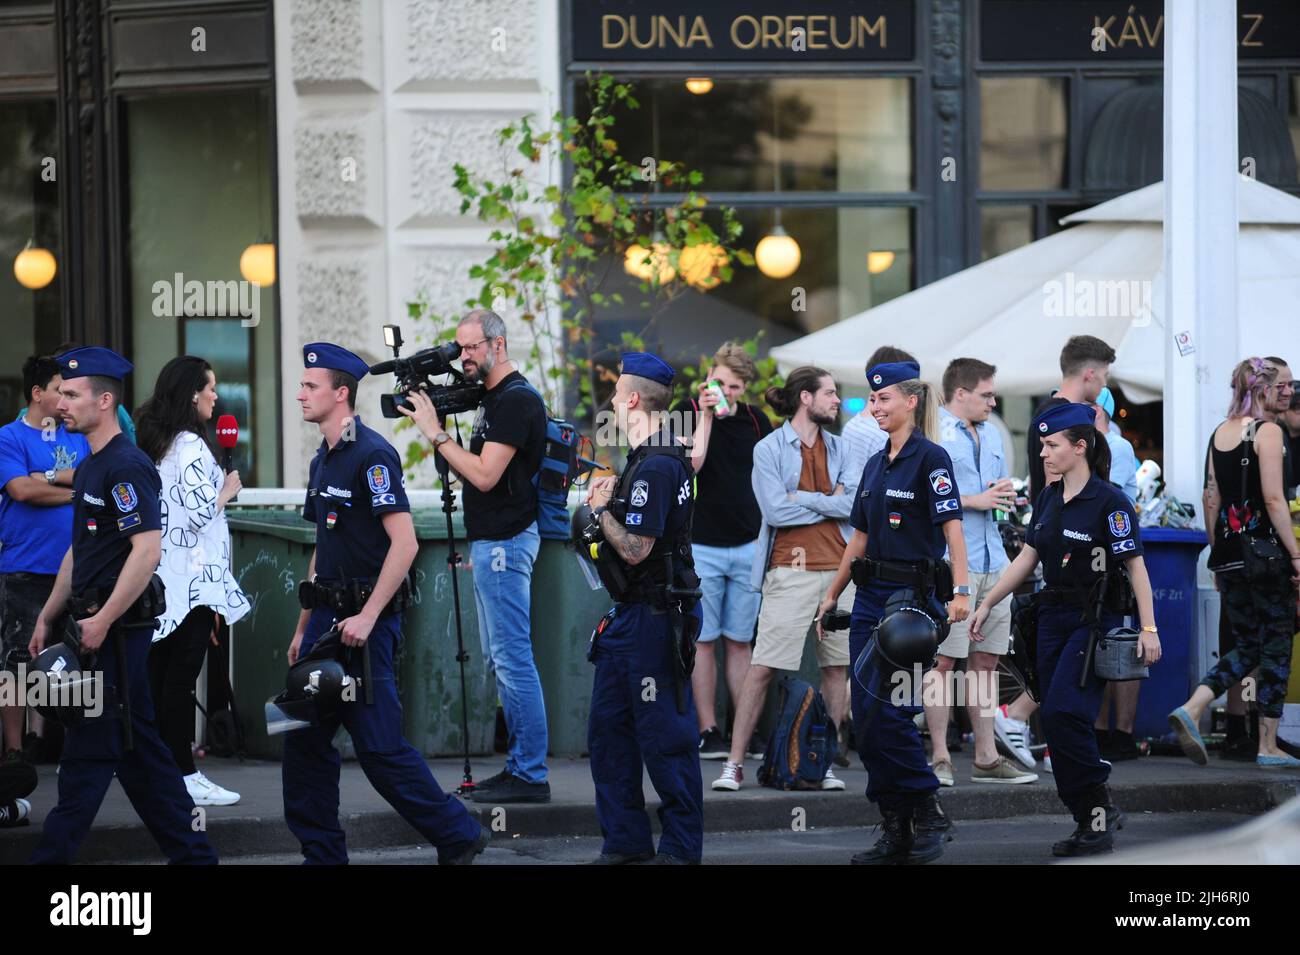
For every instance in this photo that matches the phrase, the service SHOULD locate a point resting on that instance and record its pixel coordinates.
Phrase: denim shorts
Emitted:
(730, 606)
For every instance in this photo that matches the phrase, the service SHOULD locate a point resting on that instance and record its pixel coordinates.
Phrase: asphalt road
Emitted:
(1021, 841)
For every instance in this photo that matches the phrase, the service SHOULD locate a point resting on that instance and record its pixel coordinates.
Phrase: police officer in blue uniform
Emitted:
(642, 710)
(357, 581)
(1086, 535)
(908, 509)
(107, 582)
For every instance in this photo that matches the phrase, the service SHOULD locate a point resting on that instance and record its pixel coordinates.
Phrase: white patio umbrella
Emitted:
(1103, 276)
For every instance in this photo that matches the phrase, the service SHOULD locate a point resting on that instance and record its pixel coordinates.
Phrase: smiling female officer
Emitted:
(1084, 528)
(907, 510)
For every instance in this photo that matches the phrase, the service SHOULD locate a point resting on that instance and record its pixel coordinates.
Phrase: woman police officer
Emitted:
(1084, 528)
(907, 509)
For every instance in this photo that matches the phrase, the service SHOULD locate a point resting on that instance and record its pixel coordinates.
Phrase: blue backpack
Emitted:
(802, 745)
(559, 468)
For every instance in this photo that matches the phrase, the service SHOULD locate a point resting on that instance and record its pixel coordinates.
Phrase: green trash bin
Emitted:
(564, 612)
(271, 550)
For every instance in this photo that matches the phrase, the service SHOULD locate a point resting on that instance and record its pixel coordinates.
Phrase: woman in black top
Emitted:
(1260, 607)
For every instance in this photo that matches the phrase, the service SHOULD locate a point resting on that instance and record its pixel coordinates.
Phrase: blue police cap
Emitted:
(326, 355)
(93, 360)
(891, 373)
(646, 365)
(1059, 417)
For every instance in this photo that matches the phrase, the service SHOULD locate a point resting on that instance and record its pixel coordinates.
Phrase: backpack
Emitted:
(559, 468)
(802, 745)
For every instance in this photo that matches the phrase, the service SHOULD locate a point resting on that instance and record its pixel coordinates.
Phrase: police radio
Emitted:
(227, 438)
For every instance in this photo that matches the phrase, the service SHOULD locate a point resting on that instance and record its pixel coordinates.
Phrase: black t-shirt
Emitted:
(511, 413)
(726, 514)
(1292, 443)
(1034, 447)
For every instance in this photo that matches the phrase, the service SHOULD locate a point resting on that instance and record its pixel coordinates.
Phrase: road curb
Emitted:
(751, 809)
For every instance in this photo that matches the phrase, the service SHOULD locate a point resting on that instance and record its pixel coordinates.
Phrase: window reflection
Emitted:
(1023, 133)
(30, 318)
(827, 135)
(1004, 228)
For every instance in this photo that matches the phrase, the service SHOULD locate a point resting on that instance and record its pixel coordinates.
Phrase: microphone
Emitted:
(384, 367)
(227, 438)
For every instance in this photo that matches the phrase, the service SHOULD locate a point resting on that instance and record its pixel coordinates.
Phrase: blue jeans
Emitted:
(503, 576)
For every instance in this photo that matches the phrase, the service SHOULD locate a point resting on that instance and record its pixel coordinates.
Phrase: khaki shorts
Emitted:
(997, 628)
(785, 620)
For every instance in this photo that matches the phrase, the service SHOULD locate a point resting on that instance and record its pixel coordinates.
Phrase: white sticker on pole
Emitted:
(1184, 342)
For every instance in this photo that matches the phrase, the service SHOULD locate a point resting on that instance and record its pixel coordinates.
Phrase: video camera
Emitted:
(414, 373)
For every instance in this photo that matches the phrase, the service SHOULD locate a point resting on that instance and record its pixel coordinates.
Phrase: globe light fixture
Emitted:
(777, 254)
(699, 85)
(257, 264)
(34, 267)
(878, 262)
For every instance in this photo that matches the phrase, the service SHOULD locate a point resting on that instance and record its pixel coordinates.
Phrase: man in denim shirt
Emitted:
(980, 468)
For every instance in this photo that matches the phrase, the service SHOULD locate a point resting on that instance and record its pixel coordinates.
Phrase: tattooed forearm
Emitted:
(633, 548)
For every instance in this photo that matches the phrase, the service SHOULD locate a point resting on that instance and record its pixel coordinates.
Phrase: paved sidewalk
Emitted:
(256, 825)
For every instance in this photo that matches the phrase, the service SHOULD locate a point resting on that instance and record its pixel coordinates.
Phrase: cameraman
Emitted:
(500, 501)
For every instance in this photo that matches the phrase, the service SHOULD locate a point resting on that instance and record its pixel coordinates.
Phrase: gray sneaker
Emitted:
(943, 770)
(1003, 771)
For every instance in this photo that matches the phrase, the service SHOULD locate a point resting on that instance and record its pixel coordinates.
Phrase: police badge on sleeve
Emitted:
(124, 497)
(1120, 525)
(940, 481)
(640, 494)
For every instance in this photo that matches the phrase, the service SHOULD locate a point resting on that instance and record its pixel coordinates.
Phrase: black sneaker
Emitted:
(15, 813)
(1241, 749)
(712, 745)
(512, 789)
(756, 748)
(1087, 841)
(491, 781)
(465, 856)
(1119, 746)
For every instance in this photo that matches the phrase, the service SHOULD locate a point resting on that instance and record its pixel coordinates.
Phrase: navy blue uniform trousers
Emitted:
(898, 776)
(634, 721)
(95, 751)
(1069, 713)
(310, 770)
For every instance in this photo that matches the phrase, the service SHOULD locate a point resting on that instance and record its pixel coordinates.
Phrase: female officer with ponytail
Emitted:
(1084, 530)
(907, 510)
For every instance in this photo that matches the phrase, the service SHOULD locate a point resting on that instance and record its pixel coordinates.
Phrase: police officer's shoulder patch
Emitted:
(124, 497)
(633, 520)
(383, 500)
(940, 481)
(640, 494)
(128, 522)
(1120, 547)
(1120, 525)
(378, 479)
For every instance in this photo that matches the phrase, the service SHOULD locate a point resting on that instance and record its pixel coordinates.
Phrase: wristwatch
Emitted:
(441, 438)
(51, 475)
(961, 590)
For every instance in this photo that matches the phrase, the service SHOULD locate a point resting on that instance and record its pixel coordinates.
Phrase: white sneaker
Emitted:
(1047, 760)
(205, 792)
(1012, 737)
(733, 775)
(831, 781)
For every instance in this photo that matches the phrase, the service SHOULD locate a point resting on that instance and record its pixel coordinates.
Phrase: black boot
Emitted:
(1087, 839)
(928, 817)
(894, 844)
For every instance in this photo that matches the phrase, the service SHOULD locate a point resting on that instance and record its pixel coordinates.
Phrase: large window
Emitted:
(833, 157)
(198, 194)
(1023, 125)
(30, 317)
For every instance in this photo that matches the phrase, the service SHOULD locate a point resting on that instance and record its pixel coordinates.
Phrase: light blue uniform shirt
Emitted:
(1123, 464)
(974, 469)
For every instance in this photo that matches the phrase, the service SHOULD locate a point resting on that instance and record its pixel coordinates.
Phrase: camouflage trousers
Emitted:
(1261, 614)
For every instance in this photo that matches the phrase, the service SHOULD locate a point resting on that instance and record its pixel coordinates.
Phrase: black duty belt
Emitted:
(925, 576)
(347, 597)
(1074, 598)
(143, 611)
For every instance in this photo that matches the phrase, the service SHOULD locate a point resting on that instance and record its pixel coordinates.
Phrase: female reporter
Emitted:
(1245, 506)
(907, 510)
(202, 596)
(1084, 530)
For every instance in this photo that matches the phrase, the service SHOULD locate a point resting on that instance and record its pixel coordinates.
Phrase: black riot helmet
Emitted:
(586, 530)
(907, 637)
(315, 688)
(67, 677)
